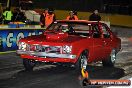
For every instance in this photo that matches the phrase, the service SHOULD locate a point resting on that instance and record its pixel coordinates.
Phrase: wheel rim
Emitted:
(83, 61)
(113, 56)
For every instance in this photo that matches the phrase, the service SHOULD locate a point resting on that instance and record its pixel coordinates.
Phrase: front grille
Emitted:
(51, 49)
(38, 48)
(47, 49)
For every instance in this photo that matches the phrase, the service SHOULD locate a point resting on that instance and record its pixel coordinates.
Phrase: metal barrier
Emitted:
(9, 37)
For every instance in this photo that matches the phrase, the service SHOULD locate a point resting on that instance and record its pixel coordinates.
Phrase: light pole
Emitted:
(8, 5)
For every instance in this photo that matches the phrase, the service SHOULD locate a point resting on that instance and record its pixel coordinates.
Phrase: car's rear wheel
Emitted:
(110, 61)
(29, 64)
(82, 61)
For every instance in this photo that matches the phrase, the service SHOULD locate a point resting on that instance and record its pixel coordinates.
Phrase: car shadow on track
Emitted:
(58, 77)
(99, 72)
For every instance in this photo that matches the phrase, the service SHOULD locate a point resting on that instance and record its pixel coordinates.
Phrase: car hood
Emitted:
(52, 38)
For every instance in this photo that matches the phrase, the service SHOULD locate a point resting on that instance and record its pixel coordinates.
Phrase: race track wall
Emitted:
(9, 37)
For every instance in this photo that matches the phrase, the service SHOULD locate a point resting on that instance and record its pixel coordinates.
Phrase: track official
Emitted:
(7, 16)
(47, 18)
(72, 16)
(42, 17)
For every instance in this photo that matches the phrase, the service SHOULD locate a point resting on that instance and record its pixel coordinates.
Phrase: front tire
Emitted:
(29, 64)
(111, 59)
(82, 61)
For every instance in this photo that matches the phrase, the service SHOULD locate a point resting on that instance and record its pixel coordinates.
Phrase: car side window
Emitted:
(105, 31)
(95, 31)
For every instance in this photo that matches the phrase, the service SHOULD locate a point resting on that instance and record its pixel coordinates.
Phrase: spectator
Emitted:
(72, 16)
(47, 18)
(50, 17)
(42, 17)
(7, 16)
(95, 16)
(18, 16)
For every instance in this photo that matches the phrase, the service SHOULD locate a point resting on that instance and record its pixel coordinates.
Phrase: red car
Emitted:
(71, 42)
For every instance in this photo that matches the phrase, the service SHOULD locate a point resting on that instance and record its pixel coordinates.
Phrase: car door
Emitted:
(98, 47)
(107, 40)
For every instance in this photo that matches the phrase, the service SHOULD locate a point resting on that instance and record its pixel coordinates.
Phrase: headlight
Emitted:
(67, 49)
(22, 46)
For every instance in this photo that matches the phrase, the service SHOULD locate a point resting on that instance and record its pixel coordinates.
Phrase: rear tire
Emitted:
(111, 59)
(29, 64)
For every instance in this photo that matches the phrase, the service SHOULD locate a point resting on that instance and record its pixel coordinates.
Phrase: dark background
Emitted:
(106, 6)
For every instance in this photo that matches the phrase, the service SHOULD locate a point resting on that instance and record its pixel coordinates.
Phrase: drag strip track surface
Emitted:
(12, 74)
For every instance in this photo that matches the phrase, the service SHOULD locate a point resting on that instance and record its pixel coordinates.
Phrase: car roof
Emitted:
(80, 21)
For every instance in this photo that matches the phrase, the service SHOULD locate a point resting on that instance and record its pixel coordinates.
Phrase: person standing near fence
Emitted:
(47, 18)
(95, 16)
(18, 15)
(7, 16)
(42, 17)
(72, 16)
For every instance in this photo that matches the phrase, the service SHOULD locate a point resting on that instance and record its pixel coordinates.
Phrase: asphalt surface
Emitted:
(13, 75)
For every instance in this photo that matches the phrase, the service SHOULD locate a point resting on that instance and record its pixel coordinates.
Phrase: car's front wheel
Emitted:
(82, 61)
(110, 61)
(29, 64)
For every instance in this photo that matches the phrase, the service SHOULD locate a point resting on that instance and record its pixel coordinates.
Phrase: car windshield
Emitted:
(72, 28)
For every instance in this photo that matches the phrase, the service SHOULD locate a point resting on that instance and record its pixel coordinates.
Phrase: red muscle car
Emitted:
(73, 42)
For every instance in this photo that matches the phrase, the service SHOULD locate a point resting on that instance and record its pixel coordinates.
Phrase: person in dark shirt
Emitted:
(95, 16)
(18, 16)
